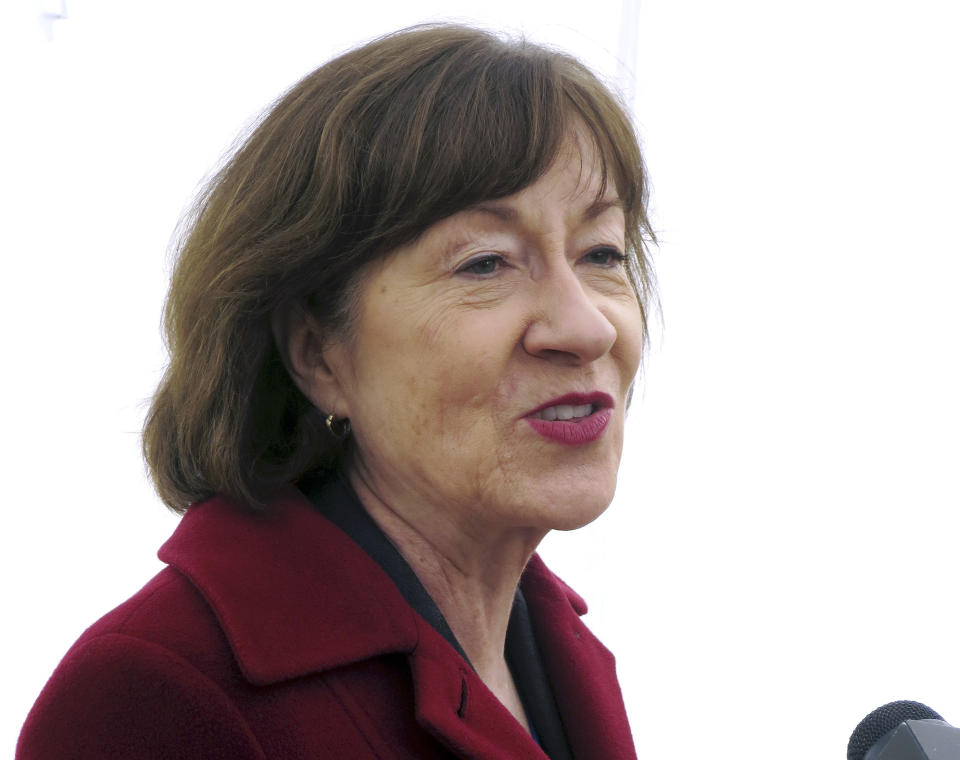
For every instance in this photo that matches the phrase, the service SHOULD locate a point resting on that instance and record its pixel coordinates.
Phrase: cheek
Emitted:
(432, 364)
(468, 353)
(424, 379)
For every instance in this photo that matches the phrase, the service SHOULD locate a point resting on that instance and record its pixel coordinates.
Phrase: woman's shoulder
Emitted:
(149, 676)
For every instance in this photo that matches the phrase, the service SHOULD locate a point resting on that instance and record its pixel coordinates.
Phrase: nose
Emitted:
(567, 326)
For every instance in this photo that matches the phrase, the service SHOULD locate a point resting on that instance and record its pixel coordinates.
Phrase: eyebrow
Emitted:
(599, 206)
(509, 214)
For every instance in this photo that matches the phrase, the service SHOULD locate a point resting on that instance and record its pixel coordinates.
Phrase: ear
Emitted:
(305, 350)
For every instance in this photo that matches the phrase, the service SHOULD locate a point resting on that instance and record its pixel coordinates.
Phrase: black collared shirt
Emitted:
(335, 499)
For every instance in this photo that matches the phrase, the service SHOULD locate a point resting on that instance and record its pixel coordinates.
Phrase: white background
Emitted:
(782, 554)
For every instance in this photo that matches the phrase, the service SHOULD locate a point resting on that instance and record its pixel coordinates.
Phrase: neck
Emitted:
(472, 575)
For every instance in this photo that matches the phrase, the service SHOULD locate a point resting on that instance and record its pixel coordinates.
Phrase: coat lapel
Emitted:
(582, 671)
(459, 710)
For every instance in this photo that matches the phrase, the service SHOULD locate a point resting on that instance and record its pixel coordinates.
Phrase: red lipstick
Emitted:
(580, 429)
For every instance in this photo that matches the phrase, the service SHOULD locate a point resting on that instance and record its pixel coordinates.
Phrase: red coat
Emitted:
(276, 636)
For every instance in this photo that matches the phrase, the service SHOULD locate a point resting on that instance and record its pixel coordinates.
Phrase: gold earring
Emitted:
(338, 428)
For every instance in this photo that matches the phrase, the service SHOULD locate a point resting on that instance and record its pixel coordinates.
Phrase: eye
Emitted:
(483, 265)
(605, 256)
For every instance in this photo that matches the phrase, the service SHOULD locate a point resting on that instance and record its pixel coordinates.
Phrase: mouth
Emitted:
(564, 412)
(572, 406)
(573, 419)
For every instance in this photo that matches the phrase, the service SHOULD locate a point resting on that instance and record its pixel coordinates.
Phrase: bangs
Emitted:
(481, 121)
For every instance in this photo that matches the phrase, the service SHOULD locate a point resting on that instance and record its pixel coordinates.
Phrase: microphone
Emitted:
(904, 730)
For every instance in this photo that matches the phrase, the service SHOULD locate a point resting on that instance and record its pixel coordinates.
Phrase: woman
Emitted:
(404, 325)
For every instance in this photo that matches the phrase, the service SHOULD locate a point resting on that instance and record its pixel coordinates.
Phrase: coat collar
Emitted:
(295, 595)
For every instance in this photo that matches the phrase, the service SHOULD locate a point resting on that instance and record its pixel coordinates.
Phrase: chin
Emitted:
(575, 508)
(583, 518)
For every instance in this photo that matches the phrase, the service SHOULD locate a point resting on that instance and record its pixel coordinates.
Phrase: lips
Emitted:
(572, 419)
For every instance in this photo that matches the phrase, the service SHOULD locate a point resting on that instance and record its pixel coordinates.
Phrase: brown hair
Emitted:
(358, 158)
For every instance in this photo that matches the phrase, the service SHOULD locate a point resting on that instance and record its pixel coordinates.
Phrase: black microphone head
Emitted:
(881, 722)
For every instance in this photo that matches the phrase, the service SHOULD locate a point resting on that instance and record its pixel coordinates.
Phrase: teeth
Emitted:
(564, 412)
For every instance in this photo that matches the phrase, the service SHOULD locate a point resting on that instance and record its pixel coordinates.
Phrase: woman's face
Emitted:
(469, 344)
